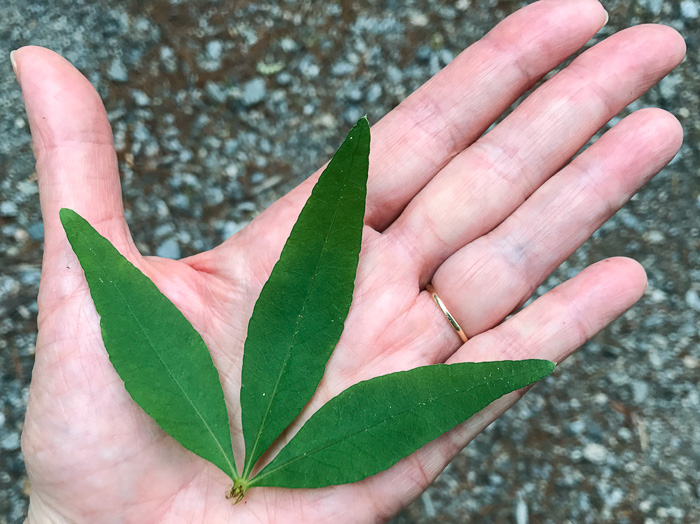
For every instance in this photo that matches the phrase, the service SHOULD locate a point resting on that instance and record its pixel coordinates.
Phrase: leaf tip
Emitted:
(65, 214)
(548, 366)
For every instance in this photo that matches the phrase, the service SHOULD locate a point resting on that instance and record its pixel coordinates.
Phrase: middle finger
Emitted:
(485, 183)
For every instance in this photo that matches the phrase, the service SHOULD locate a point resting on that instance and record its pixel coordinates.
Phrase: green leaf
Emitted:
(299, 315)
(374, 424)
(163, 361)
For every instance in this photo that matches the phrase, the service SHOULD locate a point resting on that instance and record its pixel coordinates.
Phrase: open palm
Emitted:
(484, 218)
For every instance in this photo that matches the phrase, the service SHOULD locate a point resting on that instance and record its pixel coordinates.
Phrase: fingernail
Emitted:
(607, 17)
(14, 63)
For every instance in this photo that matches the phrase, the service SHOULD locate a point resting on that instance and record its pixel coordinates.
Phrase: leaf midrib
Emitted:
(153, 347)
(250, 466)
(257, 479)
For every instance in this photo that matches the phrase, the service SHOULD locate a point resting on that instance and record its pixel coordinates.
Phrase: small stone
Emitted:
(691, 362)
(30, 277)
(612, 497)
(394, 74)
(288, 45)
(254, 92)
(352, 114)
(8, 287)
(215, 92)
(342, 68)
(419, 19)
(423, 53)
(689, 9)
(692, 299)
(652, 5)
(284, 78)
(655, 237)
(8, 209)
(36, 231)
(257, 178)
(521, 513)
(595, 453)
(117, 71)
(214, 49)
(308, 68)
(640, 390)
(169, 249)
(10, 441)
(141, 98)
(445, 56)
(168, 59)
(354, 94)
(373, 93)
(668, 87)
(576, 427)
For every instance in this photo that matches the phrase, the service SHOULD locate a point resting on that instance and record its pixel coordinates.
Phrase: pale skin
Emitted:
(484, 219)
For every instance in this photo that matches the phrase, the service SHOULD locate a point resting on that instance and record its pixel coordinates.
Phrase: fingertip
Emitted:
(666, 39)
(626, 276)
(658, 129)
(676, 40)
(61, 103)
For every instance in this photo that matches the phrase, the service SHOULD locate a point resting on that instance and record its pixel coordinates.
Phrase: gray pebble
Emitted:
(8, 209)
(373, 93)
(254, 92)
(521, 513)
(10, 441)
(214, 49)
(8, 286)
(342, 68)
(284, 78)
(689, 9)
(354, 94)
(640, 390)
(141, 98)
(595, 453)
(308, 68)
(288, 45)
(169, 249)
(168, 59)
(36, 231)
(352, 114)
(117, 71)
(215, 92)
(652, 5)
(692, 299)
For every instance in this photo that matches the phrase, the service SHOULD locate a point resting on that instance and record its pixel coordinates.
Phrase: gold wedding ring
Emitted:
(430, 289)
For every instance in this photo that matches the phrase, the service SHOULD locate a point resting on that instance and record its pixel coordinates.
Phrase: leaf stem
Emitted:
(238, 490)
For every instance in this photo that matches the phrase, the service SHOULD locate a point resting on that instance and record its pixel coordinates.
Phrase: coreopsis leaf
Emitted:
(163, 361)
(374, 424)
(299, 316)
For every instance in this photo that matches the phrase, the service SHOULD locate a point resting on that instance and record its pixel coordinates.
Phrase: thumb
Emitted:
(75, 158)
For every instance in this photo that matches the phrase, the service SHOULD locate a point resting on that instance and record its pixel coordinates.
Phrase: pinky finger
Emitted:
(551, 328)
(560, 321)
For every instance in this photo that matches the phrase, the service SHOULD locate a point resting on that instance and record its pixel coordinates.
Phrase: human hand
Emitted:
(443, 207)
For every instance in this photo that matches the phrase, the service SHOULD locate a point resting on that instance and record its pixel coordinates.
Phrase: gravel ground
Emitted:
(218, 110)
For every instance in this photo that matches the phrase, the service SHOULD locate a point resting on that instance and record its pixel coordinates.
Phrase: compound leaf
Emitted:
(374, 424)
(299, 316)
(163, 361)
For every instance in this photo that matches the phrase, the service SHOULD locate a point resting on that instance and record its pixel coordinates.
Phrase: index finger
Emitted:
(450, 111)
